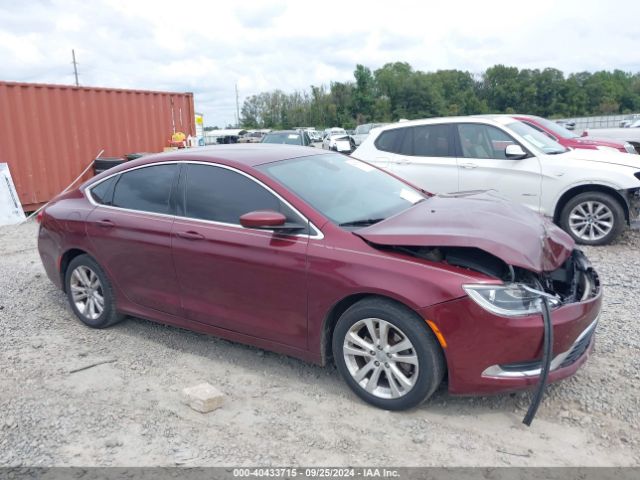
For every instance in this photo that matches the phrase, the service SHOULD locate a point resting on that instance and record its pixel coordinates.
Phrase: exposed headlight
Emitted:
(511, 300)
(630, 148)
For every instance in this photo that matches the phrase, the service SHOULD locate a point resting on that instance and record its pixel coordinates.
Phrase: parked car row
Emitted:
(577, 181)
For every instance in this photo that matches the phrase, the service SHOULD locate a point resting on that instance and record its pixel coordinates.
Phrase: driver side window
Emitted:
(483, 141)
(222, 195)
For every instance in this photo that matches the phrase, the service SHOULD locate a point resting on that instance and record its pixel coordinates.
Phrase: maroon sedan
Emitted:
(321, 256)
(569, 139)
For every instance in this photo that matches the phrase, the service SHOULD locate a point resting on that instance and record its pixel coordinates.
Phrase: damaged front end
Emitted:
(539, 273)
(525, 293)
(574, 281)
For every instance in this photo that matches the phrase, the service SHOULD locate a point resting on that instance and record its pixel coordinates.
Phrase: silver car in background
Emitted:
(362, 131)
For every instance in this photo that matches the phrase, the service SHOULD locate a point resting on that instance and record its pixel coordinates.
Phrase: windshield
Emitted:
(537, 139)
(283, 137)
(345, 190)
(555, 129)
(362, 129)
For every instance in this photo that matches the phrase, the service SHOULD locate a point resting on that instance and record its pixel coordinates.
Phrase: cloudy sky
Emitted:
(207, 47)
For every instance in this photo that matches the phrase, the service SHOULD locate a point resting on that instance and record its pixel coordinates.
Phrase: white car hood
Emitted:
(601, 156)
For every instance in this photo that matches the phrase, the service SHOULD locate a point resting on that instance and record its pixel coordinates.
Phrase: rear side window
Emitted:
(388, 140)
(145, 189)
(222, 195)
(432, 141)
(103, 192)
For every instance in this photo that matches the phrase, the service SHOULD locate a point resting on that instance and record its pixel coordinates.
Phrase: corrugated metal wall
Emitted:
(50, 133)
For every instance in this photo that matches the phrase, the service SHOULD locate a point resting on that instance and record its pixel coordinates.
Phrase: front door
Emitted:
(246, 280)
(483, 165)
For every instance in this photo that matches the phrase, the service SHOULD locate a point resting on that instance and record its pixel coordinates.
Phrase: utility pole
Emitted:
(75, 66)
(237, 109)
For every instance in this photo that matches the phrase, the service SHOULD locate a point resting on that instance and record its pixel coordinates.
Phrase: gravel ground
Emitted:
(280, 411)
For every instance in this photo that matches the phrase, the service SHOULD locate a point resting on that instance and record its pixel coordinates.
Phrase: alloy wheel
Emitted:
(87, 292)
(380, 358)
(591, 220)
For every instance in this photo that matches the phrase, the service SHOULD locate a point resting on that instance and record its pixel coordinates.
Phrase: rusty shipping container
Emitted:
(50, 133)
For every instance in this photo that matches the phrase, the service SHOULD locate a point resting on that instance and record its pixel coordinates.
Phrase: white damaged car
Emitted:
(593, 195)
(339, 142)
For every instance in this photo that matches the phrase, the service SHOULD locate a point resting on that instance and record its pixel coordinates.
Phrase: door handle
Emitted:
(190, 235)
(468, 165)
(104, 223)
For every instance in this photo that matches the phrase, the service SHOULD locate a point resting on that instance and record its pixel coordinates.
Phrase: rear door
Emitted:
(383, 150)
(425, 156)
(130, 230)
(246, 280)
(483, 165)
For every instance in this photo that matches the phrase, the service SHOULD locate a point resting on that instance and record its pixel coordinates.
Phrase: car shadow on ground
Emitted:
(300, 374)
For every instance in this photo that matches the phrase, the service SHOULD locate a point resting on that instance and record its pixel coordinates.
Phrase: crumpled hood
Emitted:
(483, 220)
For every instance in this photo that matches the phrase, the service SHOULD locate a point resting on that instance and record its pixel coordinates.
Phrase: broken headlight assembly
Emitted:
(510, 300)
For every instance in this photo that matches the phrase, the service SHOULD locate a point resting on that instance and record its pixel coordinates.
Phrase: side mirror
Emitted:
(262, 219)
(268, 220)
(514, 152)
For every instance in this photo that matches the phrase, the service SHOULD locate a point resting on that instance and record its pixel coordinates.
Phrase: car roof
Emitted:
(239, 154)
(284, 131)
(490, 119)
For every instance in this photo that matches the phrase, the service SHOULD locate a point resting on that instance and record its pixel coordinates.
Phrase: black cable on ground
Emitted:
(547, 353)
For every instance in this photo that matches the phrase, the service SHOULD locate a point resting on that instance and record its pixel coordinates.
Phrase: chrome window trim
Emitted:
(317, 233)
(495, 371)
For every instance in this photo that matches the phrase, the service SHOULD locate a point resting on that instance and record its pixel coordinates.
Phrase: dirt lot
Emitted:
(280, 411)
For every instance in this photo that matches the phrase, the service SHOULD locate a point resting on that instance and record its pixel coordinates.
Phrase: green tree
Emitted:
(397, 91)
(364, 97)
(501, 88)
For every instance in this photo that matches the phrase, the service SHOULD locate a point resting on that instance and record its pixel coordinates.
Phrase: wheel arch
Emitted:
(589, 187)
(65, 260)
(336, 311)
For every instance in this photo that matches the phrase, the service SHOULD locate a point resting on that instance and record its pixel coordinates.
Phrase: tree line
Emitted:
(398, 91)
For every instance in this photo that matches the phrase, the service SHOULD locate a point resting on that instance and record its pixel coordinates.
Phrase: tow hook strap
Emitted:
(547, 354)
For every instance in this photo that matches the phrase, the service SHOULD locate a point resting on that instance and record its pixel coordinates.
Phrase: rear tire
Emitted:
(398, 369)
(90, 294)
(593, 218)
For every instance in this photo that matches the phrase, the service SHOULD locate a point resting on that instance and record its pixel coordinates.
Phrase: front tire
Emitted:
(387, 354)
(593, 218)
(90, 294)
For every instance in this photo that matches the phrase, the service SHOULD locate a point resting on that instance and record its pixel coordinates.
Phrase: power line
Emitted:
(75, 66)
(237, 109)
